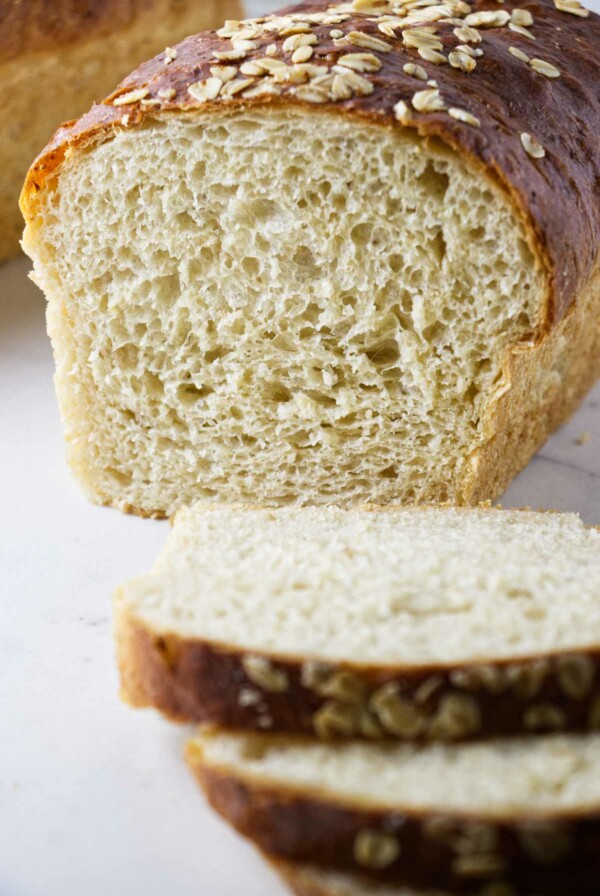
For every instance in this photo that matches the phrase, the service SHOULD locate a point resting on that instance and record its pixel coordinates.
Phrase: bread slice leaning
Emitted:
(521, 811)
(283, 268)
(411, 623)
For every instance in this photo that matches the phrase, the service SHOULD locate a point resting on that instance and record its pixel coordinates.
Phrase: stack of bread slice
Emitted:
(394, 698)
(348, 255)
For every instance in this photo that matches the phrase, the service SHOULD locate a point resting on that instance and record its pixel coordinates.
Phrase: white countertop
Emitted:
(94, 797)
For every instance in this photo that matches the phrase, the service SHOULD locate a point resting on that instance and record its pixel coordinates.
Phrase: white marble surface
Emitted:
(94, 798)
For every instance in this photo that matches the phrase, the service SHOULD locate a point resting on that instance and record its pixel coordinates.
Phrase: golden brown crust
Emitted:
(191, 680)
(543, 384)
(555, 195)
(555, 855)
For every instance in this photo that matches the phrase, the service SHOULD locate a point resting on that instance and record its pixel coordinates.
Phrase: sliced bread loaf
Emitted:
(525, 812)
(422, 623)
(285, 268)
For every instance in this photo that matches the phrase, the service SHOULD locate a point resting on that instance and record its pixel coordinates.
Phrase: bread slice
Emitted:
(522, 811)
(415, 623)
(57, 58)
(281, 269)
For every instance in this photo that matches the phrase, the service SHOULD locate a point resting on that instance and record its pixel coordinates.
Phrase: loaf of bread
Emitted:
(349, 252)
(525, 812)
(57, 57)
(416, 623)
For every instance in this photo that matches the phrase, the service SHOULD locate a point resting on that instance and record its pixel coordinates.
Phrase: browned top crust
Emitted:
(29, 25)
(191, 680)
(554, 181)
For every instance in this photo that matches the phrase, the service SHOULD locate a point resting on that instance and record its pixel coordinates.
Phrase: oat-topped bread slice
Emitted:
(58, 56)
(347, 253)
(415, 623)
(451, 817)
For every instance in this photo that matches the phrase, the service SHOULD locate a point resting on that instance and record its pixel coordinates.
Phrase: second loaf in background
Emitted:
(285, 265)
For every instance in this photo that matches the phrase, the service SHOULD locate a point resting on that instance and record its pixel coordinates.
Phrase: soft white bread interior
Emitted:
(553, 775)
(280, 306)
(389, 587)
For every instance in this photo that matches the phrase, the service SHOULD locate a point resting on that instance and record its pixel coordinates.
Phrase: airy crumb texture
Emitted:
(508, 778)
(421, 586)
(279, 307)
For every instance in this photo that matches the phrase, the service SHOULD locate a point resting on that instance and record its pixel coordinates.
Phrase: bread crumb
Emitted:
(584, 439)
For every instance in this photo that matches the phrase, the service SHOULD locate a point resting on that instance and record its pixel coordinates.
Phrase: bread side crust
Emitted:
(195, 680)
(543, 385)
(551, 853)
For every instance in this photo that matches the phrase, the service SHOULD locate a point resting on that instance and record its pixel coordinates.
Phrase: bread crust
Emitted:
(543, 385)
(190, 680)
(553, 853)
(554, 196)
